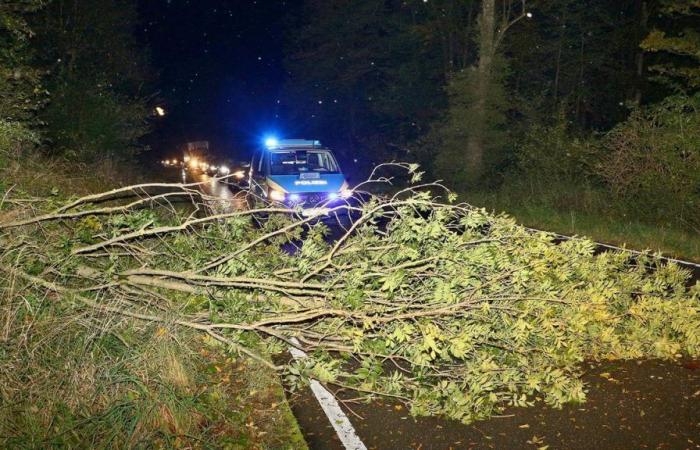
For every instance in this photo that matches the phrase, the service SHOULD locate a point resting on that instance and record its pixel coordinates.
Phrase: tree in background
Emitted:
(96, 78)
(562, 59)
(676, 42)
(21, 94)
(473, 132)
(493, 100)
(646, 165)
(362, 74)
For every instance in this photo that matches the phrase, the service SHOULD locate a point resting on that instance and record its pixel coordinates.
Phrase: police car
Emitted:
(298, 172)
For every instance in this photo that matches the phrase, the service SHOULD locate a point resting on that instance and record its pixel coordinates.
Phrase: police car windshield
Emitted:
(294, 162)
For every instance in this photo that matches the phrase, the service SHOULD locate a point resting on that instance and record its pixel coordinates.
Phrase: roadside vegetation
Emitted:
(72, 111)
(78, 378)
(637, 184)
(620, 230)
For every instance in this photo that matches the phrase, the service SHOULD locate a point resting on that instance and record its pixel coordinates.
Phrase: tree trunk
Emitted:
(641, 33)
(558, 69)
(556, 75)
(475, 141)
(579, 86)
(466, 36)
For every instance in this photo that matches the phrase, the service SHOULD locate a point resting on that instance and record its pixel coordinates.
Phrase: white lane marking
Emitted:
(330, 406)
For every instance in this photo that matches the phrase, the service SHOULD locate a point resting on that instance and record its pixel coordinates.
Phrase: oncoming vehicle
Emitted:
(298, 172)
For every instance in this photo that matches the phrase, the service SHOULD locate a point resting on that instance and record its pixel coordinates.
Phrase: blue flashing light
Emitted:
(295, 197)
(271, 142)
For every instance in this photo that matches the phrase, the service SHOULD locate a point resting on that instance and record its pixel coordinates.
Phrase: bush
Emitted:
(652, 160)
(14, 137)
(647, 167)
(551, 154)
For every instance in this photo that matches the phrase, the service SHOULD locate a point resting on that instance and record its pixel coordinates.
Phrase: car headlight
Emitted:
(223, 170)
(276, 195)
(240, 174)
(345, 193)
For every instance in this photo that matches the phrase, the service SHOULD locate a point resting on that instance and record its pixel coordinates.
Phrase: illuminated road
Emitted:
(219, 196)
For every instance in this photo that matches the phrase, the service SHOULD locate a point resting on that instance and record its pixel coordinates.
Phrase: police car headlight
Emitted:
(277, 196)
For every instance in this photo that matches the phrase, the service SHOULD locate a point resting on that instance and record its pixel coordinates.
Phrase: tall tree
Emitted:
(482, 88)
(472, 131)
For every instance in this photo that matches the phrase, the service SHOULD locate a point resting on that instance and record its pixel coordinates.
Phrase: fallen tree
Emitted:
(452, 310)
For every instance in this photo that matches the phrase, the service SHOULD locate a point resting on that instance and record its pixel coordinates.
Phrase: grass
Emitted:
(72, 381)
(71, 378)
(600, 226)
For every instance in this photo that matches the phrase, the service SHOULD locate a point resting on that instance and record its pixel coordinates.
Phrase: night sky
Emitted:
(219, 69)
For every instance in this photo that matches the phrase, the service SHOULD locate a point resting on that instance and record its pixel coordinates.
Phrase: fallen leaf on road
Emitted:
(536, 440)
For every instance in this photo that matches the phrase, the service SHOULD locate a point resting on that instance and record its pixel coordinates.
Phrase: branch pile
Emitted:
(445, 307)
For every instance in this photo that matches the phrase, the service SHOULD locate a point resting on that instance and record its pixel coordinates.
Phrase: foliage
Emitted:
(570, 50)
(20, 91)
(616, 174)
(552, 154)
(98, 126)
(680, 44)
(14, 137)
(97, 73)
(449, 309)
(474, 130)
(576, 211)
(652, 160)
(21, 94)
